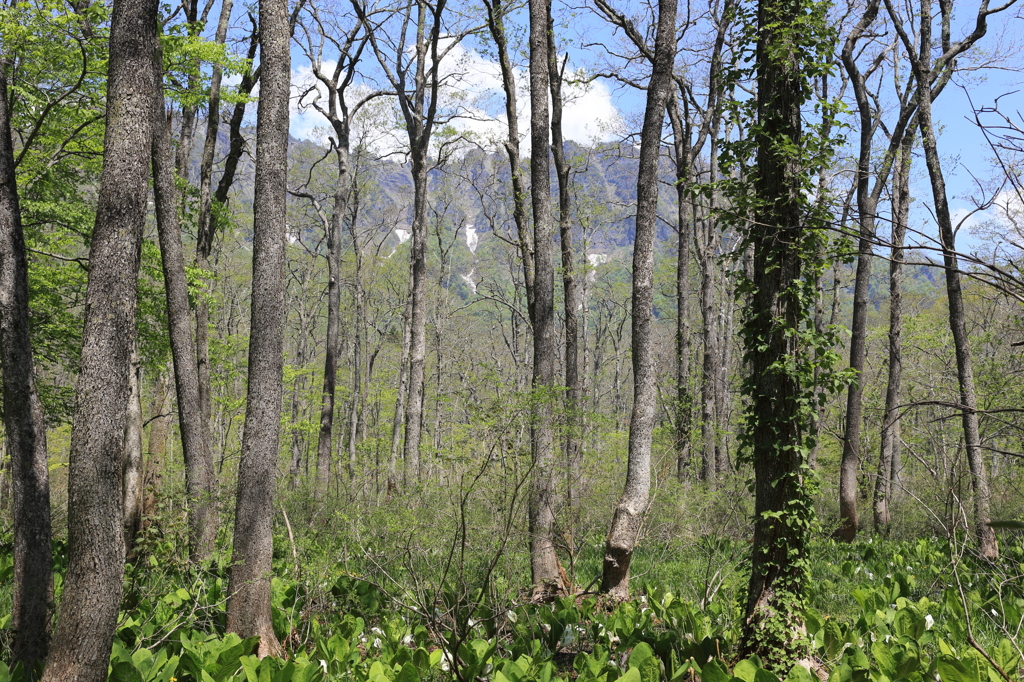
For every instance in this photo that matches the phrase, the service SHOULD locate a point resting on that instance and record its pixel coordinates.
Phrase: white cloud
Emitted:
(589, 113)
(473, 101)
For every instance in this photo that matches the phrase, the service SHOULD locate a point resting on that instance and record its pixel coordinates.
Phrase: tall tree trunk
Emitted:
(207, 227)
(419, 109)
(417, 319)
(133, 454)
(248, 608)
(326, 433)
(495, 22)
(722, 405)
(629, 514)
(403, 390)
(922, 66)
(866, 209)
(778, 428)
(709, 370)
(195, 435)
(573, 418)
(684, 231)
(92, 586)
(24, 422)
(891, 421)
(357, 358)
(543, 559)
(207, 232)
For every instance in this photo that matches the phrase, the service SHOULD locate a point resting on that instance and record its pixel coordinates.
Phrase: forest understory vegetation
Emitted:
(429, 585)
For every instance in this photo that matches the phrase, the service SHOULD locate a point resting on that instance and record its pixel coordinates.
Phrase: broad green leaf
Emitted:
(746, 670)
(954, 670)
(632, 675)
(409, 673)
(800, 674)
(712, 672)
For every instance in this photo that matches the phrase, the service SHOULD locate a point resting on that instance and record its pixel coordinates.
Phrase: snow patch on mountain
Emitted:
(472, 239)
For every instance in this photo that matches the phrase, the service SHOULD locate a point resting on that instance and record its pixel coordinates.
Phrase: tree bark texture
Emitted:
(133, 455)
(417, 316)
(778, 432)
(544, 564)
(92, 586)
(632, 506)
(248, 608)
(195, 435)
(24, 422)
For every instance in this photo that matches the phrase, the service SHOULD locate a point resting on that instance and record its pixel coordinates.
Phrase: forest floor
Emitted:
(877, 610)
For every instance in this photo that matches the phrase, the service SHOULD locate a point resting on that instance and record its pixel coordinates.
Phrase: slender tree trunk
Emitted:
(360, 369)
(420, 118)
(866, 208)
(684, 231)
(326, 432)
(133, 455)
(417, 319)
(709, 371)
(495, 22)
(92, 585)
(207, 225)
(207, 231)
(987, 545)
(24, 422)
(543, 559)
(573, 419)
(403, 389)
(722, 405)
(195, 436)
(632, 507)
(891, 421)
(298, 386)
(248, 607)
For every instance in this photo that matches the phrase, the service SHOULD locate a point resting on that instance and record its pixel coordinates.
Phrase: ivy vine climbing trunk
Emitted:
(248, 607)
(632, 506)
(88, 609)
(24, 421)
(782, 348)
